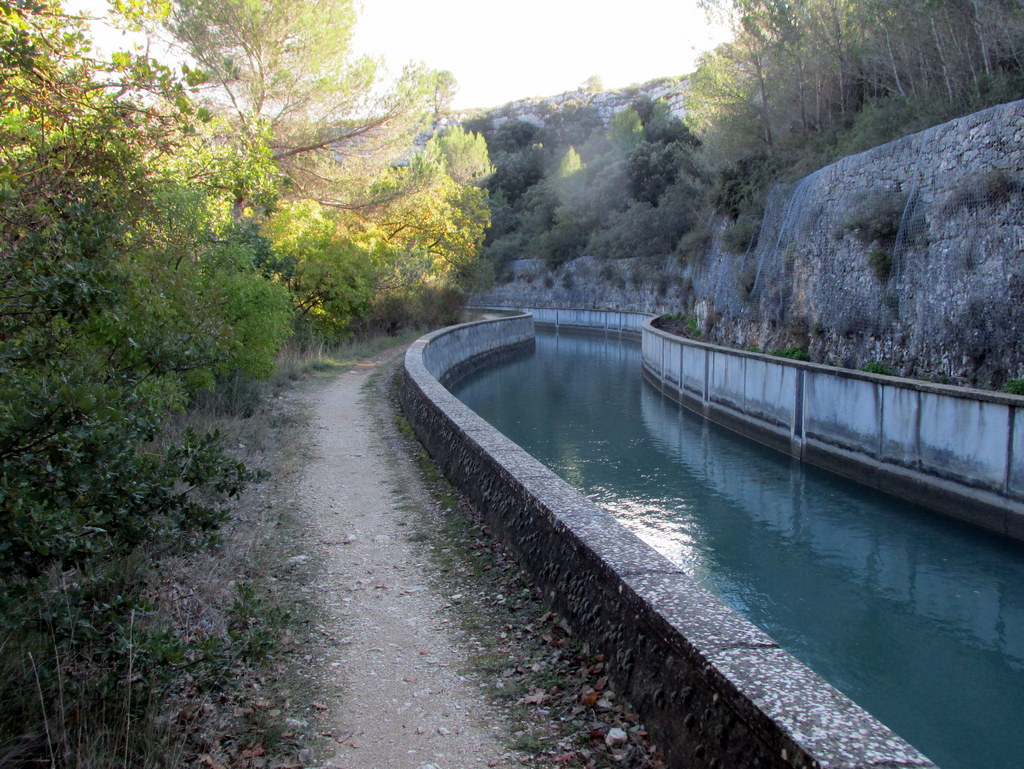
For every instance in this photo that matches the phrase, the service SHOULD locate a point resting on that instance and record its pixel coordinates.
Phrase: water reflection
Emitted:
(877, 543)
(919, 619)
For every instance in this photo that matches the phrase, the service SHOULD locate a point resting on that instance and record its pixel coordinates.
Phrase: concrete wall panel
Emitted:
(842, 410)
(694, 360)
(1016, 485)
(964, 439)
(727, 379)
(900, 414)
(770, 390)
(673, 363)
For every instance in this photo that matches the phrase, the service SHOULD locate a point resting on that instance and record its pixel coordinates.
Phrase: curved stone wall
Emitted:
(715, 690)
(952, 449)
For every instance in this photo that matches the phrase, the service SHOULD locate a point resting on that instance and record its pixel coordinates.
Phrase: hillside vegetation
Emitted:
(578, 186)
(802, 83)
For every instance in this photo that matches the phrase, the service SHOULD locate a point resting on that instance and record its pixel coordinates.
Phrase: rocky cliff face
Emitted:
(910, 254)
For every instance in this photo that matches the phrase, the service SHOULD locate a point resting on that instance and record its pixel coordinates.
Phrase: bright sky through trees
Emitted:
(500, 52)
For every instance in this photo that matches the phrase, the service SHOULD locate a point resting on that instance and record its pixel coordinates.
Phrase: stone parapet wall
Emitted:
(594, 320)
(714, 689)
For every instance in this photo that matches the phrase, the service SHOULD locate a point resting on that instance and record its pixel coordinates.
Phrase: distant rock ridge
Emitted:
(672, 90)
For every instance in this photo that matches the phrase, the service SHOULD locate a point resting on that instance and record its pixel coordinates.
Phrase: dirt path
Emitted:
(402, 701)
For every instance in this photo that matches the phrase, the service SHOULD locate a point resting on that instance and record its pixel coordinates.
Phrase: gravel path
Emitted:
(387, 642)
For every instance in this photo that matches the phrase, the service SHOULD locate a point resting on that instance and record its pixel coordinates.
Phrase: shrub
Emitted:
(877, 367)
(747, 280)
(880, 261)
(1014, 387)
(694, 245)
(990, 188)
(876, 219)
(793, 353)
(740, 235)
(741, 188)
(680, 323)
(422, 307)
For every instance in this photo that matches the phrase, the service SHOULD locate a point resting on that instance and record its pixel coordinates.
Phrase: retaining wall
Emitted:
(595, 320)
(715, 690)
(955, 450)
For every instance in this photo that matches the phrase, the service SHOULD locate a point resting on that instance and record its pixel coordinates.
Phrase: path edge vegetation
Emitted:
(161, 257)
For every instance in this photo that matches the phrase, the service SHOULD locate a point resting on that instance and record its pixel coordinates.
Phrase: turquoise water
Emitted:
(917, 618)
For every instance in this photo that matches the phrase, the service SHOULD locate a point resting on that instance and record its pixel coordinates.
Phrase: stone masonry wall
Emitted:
(715, 690)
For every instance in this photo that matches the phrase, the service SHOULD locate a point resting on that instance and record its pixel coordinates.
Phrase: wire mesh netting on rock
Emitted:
(908, 257)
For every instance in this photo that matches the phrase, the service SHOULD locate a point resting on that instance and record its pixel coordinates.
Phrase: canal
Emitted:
(917, 618)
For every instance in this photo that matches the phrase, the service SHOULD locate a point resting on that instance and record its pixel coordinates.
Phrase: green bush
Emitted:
(741, 188)
(876, 219)
(877, 367)
(693, 246)
(987, 189)
(794, 353)
(739, 236)
(1014, 387)
(880, 261)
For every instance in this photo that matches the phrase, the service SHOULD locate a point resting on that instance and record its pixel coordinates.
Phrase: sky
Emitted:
(516, 49)
(505, 51)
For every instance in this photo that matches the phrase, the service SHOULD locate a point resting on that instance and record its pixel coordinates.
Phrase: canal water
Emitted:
(917, 618)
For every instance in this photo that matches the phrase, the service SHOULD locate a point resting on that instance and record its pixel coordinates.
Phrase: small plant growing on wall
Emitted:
(680, 323)
(876, 219)
(692, 327)
(748, 279)
(877, 367)
(740, 235)
(986, 189)
(880, 261)
(875, 222)
(1014, 387)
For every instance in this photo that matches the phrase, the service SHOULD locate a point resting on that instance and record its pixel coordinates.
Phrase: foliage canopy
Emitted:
(154, 245)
